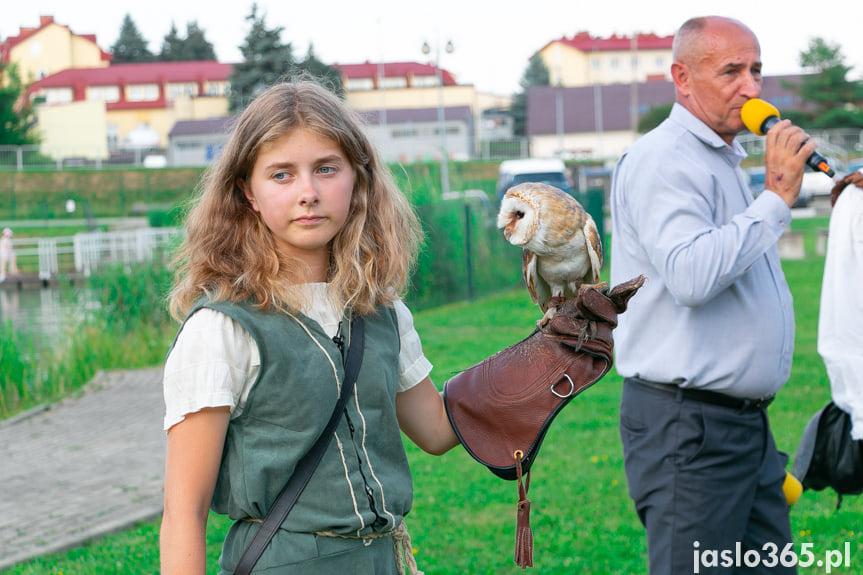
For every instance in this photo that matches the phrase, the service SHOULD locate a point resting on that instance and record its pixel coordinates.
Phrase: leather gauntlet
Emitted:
(505, 403)
(502, 407)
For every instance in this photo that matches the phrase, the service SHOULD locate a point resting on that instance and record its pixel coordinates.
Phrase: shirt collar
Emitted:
(703, 132)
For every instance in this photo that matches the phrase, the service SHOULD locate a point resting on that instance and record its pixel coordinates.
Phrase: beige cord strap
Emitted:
(401, 541)
(405, 550)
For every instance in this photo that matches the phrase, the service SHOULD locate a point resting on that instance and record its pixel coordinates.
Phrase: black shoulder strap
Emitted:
(307, 465)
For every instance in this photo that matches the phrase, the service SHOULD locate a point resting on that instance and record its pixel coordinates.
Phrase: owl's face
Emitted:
(518, 217)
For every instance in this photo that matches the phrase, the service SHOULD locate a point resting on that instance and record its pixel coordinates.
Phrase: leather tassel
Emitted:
(523, 532)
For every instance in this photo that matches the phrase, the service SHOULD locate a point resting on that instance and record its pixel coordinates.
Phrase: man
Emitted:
(708, 341)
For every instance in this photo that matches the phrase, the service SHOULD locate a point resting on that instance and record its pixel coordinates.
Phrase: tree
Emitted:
(172, 46)
(832, 100)
(17, 118)
(653, 117)
(266, 60)
(191, 48)
(196, 46)
(323, 73)
(536, 74)
(130, 45)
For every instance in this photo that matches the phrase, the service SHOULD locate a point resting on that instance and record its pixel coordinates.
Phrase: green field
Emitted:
(463, 518)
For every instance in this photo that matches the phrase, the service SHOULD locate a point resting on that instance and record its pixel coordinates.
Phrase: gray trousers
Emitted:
(706, 481)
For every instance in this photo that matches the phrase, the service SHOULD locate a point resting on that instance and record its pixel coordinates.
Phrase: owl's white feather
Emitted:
(562, 247)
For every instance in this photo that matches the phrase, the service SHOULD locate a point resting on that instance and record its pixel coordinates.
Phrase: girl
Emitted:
(298, 227)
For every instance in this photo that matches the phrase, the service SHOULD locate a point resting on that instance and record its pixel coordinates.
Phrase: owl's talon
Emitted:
(550, 313)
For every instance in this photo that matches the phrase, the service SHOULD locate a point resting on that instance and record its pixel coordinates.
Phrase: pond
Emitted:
(42, 313)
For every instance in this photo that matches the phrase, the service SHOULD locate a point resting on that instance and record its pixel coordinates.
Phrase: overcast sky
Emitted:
(493, 39)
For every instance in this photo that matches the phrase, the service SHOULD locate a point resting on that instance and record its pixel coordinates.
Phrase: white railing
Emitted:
(86, 252)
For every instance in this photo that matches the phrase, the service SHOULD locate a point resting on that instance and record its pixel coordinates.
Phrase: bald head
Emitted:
(716, 69)
(694, 38)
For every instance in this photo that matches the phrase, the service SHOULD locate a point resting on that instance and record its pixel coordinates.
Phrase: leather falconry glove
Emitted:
(502, 407)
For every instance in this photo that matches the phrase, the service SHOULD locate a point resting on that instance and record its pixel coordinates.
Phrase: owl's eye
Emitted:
(519, 214)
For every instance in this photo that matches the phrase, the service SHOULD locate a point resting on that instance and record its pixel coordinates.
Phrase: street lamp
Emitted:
(441, 120)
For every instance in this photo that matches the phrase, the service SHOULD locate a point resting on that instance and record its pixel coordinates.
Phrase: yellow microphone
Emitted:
(759, 116)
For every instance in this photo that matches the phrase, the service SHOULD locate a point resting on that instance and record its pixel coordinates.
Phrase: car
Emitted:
(756, 184)
(551, 171)
(855, 165)
(816, 184)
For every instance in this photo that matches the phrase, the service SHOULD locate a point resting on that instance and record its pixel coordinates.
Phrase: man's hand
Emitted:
(788, 148)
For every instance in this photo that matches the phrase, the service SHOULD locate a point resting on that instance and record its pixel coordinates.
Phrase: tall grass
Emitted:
(127, 327)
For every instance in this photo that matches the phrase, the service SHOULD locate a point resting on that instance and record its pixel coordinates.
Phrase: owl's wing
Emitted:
(594, 248)
(540, 291)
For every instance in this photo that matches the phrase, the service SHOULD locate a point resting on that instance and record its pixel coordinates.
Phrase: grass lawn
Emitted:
(463, 518)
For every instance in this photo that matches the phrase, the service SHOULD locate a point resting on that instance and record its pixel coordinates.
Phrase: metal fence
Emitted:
(841, 145)
(84, 253)
(19, 158)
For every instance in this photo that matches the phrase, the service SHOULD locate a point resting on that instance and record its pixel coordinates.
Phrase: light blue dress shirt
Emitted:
(715, 312)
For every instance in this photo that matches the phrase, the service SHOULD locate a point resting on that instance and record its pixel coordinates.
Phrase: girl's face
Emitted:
(301, 184)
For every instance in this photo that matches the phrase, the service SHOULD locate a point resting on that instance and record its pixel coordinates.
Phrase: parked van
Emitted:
(551, 171)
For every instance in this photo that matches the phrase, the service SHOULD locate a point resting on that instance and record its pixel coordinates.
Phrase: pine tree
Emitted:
(17, 119)
(266, 60)
(172, 46)
(324, 73)
(196, 46)
(130, 45)
(834, 101)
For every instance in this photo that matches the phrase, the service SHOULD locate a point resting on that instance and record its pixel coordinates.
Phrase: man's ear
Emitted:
(680, 74)
(247, 191)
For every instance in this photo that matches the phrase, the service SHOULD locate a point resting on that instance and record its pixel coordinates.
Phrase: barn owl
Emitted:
(561, 245)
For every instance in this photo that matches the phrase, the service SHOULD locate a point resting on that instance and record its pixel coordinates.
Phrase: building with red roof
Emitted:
(122, 101)
(49, 48)
(585, 60)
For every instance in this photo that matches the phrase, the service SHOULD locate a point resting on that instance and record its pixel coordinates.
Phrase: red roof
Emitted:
(141, 73)
(584, 42)
(393, 70)
(44, 21)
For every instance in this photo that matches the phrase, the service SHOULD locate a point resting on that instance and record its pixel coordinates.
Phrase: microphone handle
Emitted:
(816, 161)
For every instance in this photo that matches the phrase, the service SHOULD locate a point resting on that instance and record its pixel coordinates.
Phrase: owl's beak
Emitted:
(507, 231)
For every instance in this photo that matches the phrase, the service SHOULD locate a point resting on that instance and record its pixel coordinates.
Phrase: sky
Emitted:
(492, 39)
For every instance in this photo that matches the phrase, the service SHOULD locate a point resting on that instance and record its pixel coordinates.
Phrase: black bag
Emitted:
(827, 455)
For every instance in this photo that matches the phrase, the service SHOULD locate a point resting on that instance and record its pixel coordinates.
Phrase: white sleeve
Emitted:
(213, 363)
(840, 320)
(413, 365)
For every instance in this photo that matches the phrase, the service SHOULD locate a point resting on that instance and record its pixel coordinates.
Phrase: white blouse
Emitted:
(840, 319)
(215, 361)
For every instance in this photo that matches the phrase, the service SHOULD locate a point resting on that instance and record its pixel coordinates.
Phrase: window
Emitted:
(360, 84)
(425, 81)
(408, 132)
(594, 63)
(216, 89)
(58, 95)
(183, 89)
(35, 48)
(112, 134)
(103, 94)
(394, 82)
(614, 62)
(142, 93)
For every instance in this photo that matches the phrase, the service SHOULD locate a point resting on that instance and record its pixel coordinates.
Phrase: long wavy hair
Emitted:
(229, 253)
